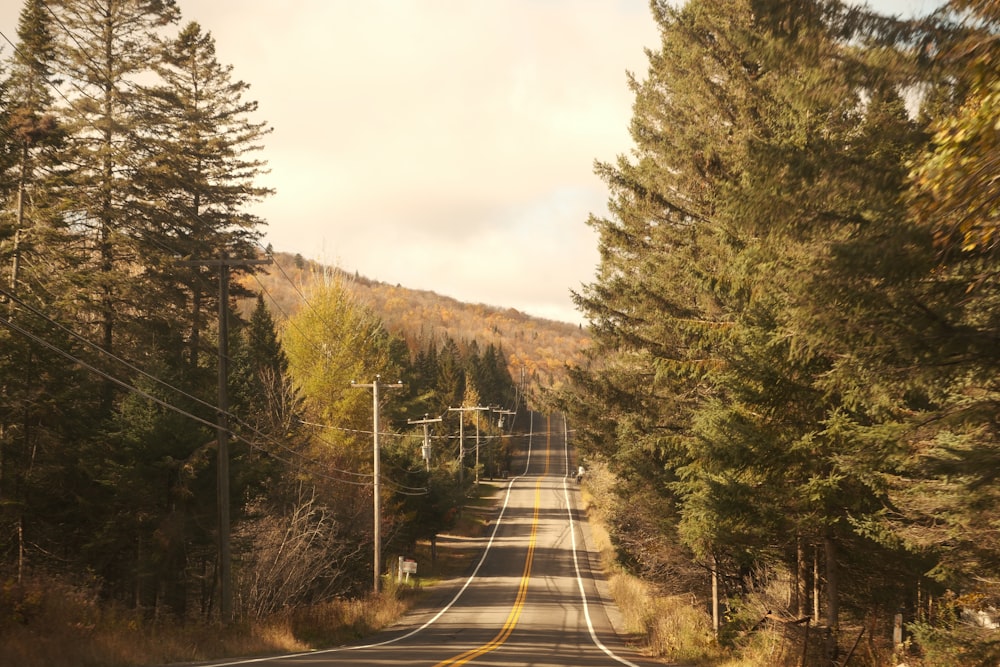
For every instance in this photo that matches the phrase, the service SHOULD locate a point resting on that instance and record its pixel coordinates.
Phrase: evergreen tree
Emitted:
(157, 515)
(34, 138)
(102, 50)
(34, 380)
(494, 379)
(450, 381)
(262, 388)
(421, 380)
(197, 178)
(762, 199)
(30, 126)
(946, 483)
(263, 400)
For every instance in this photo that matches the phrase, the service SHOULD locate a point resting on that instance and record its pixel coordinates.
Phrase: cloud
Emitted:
(442, 144)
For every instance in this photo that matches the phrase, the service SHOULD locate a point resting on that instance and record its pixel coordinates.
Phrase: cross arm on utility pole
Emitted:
(425, 420)
(505, 413)
(427, 436)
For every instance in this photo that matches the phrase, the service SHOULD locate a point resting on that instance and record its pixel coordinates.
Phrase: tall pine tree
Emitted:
(754, 280)
(102, 51)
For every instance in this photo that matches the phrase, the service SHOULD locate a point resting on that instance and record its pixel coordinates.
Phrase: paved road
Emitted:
(531, 600)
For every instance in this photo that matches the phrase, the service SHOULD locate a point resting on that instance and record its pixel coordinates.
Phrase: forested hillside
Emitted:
(795, 373)
(542, 349)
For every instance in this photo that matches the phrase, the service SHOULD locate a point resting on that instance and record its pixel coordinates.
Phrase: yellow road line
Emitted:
(522, 591)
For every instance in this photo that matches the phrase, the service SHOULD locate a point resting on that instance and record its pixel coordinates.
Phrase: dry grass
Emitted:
(46, 623)
(671, 626)
(50, 623)
(599, 534)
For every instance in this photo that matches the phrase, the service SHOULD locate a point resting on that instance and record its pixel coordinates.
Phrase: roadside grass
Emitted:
(679, 628)
(47, 622)
(672, 627)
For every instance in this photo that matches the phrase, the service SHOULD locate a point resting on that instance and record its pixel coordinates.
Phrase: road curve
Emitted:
(530, 600)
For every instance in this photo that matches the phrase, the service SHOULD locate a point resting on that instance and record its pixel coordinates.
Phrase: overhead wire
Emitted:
(158, 242)
(235, 419)
(203, 403)
(166, 404)
(54, 87)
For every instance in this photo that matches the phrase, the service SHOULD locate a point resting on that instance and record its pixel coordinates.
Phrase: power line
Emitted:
(50, 84)
(344, 429)
(169, 406)
(235, 419)
(163, 383)
(121, 383)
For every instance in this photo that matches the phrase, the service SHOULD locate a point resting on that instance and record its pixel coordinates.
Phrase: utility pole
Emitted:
(376, 473)
(222, 460)
(503, 413)
(478, 410)
(461, 439)
(426, 449)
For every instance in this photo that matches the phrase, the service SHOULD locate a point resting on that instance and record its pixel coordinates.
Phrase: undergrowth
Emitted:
(45, 622)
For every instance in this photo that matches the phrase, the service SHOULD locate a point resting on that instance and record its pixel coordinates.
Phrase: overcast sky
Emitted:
(440, 144)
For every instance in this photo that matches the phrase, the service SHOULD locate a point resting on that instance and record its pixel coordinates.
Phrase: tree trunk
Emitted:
(801, 578)
(715, 595)
(195, 325)
(816, 591)
(832, 594)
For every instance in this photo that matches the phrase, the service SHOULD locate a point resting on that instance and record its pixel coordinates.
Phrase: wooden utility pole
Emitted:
(500, 426)
(376, 473)
(461, 439)
(222, 478)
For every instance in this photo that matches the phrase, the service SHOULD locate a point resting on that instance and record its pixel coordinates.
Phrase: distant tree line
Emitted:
(797, 310)
(536, 349)
(125, 145)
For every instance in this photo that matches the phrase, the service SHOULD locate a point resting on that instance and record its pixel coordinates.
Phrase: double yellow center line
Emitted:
(522, 591)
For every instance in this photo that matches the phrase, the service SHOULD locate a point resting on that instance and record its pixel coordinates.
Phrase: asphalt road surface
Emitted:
(531, 598)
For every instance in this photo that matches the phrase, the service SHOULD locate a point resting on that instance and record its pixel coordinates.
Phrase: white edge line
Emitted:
(579, 581)
(433, 619)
